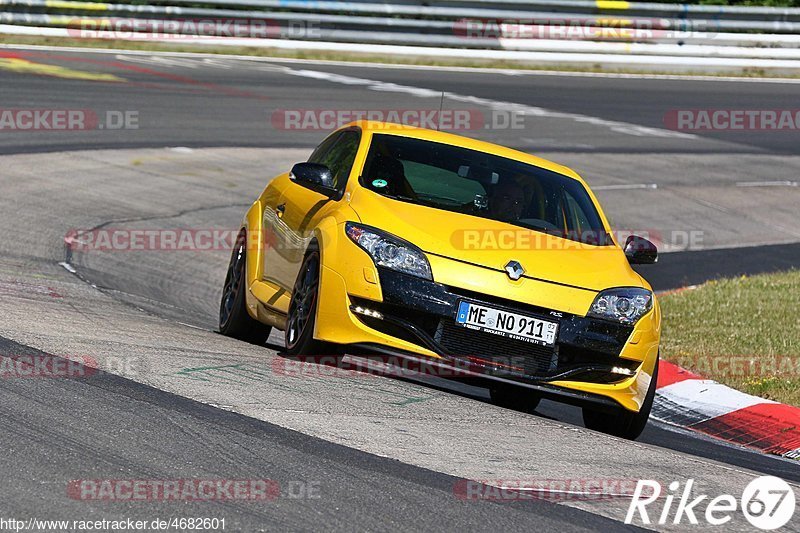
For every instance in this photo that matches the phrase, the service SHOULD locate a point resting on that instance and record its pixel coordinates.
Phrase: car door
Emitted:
(300, 209)
(277, 239)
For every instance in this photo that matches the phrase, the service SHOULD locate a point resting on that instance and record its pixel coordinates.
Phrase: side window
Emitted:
(576, 216)
(338, 156)
(322, 150)
(582, 220)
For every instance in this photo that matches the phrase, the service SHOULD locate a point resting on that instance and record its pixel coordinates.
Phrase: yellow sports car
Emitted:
(427, 245)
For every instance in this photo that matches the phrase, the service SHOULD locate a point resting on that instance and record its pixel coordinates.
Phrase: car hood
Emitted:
(492, 244)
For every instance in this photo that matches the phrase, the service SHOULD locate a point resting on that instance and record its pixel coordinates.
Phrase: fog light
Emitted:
(367, 312)
(621, 370)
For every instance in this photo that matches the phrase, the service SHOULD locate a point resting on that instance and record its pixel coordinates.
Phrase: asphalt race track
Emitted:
(175, 400)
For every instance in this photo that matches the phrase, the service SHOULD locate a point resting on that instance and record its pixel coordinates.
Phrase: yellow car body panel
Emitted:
(568, 275)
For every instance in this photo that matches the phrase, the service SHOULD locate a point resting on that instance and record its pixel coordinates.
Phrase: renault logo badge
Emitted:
(514, 270)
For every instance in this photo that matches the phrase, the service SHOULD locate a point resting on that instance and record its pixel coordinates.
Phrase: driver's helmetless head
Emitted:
(506, 201)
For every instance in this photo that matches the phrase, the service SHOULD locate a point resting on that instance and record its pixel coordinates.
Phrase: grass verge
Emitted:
(743, 332)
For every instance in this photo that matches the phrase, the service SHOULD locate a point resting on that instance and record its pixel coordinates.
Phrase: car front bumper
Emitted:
(593, 362)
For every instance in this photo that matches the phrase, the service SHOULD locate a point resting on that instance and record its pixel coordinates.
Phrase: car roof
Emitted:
(390, 128)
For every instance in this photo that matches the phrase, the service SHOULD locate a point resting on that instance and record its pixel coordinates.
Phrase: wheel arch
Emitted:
(325, 239)
(251, 225)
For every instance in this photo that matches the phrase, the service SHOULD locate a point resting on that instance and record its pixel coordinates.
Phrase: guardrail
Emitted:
(757, 19)
(578, 31)
(575, 6)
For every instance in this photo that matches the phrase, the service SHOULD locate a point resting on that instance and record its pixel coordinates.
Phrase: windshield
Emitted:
(475, 183)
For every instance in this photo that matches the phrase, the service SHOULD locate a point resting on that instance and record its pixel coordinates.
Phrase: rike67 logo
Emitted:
(767, 502)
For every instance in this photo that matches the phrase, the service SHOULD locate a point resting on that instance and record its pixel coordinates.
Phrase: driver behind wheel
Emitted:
(506, 201)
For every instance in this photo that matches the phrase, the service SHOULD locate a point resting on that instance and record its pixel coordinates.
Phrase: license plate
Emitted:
(506, 324)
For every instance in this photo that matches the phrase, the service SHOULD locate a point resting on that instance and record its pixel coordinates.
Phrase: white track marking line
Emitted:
(366, 64)
(221, 63)
(546, 143)
(498, 105)
(161, 60)
(767, 184)
(193, 326)
(134, 58)
(625, 186)
(69, 268)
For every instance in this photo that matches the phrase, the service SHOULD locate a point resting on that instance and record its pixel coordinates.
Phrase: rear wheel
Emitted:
(621, 422)
(234, 320)
(302, 314)
(518, 398)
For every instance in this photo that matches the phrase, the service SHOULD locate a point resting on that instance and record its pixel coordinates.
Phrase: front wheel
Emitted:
(302, 314)
(234, 320)
(623, 423)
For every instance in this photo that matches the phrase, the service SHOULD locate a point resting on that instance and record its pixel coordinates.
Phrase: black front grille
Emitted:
(423, 313)
(500, 353)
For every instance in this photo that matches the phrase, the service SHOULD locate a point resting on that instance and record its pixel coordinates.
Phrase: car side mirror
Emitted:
(314, 176)
(640, 251)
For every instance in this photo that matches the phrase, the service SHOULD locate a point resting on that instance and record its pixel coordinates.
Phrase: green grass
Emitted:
(744, 332)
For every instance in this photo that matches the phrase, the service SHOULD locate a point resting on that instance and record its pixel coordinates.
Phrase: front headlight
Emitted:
(389, 251)
(626, 305)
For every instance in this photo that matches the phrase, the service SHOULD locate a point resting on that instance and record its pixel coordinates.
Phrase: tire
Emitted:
(517, 398)
(302, 315)
(623, 423)
(234, 320)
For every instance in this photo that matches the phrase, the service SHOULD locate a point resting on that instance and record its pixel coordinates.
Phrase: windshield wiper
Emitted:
(399, 197)
(445, 198)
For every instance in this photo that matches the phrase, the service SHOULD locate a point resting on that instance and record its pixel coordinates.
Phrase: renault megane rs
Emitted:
(424, 244)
